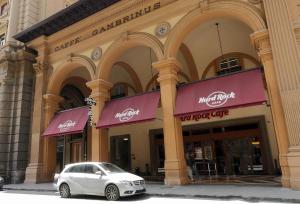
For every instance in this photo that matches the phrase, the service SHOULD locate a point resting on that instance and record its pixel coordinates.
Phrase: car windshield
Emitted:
(111, 168)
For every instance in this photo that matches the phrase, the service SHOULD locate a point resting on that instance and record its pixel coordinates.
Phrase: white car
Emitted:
(98, 178)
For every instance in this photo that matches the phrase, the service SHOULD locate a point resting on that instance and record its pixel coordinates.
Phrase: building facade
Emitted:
(17, 82)
(117, 51)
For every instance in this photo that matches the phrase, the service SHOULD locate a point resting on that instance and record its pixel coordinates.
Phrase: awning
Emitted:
(129, 110)
(68, 122)
(239, 89)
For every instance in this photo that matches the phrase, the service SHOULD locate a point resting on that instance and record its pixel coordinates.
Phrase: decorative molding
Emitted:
(96, 54)
(162, 29)
(39, 67)
(203, 5)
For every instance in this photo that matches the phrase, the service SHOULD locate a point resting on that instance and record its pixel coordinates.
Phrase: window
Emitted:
(77, 169)
(91, 169)
(119, 91)
(229, 65)
(4, 9)
(2, 40)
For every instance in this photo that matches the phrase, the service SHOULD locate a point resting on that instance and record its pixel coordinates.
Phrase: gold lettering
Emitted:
(118, 22)
(102, 30)
(95, 32)
(126, 19)
(110, 26)
(156, 6)
(138, 13)
(148, 9)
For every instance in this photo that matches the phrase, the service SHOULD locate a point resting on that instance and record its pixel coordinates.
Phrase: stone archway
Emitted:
(60, 74)
(240, 11)
(125, 42)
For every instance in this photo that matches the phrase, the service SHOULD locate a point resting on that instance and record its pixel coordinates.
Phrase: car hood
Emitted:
(124, 176)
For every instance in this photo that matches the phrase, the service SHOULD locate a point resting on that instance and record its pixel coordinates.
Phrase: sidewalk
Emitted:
(224, 192)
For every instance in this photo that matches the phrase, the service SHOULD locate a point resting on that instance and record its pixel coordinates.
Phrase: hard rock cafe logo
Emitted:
(127, 114)
(217, 98)
(66, 125)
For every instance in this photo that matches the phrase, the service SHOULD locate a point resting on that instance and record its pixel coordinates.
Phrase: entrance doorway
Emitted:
(120, 151)
(221, 149)
(76, 152)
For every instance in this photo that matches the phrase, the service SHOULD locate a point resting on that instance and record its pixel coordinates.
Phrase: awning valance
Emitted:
(239, 89)
(68, 122)
(129, 110)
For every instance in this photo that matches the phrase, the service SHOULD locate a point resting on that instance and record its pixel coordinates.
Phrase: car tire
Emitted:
(112, 192)
(64, 191)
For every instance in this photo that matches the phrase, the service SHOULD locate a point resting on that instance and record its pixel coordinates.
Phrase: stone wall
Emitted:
(16, 88)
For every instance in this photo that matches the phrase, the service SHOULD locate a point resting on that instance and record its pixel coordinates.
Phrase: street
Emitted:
(49, 197)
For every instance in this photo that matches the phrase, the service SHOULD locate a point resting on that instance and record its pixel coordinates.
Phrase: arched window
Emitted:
(119, 90)
(228, 65)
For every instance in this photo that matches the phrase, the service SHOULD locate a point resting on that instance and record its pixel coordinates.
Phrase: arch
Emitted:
(79, 83)
(125, 42)
(133, 75)
(152, 80)
(241, 55)
(64, 69)
(190, 61)
(241, 11)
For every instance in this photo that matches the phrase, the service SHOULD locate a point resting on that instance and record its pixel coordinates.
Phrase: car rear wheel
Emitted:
(112, 192)
(64, 191)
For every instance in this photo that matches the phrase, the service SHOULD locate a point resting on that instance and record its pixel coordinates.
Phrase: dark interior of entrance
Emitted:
(221, 149)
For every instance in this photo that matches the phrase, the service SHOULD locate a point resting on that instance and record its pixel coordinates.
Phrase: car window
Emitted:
(91, 169)
(77, 169)
(111, 168)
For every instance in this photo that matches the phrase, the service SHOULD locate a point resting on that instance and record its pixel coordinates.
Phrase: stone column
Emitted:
(262, 43)
(12, 28)
(51, 102)
(175, 165)
(286, 61)
(34, 170)
(100, 93)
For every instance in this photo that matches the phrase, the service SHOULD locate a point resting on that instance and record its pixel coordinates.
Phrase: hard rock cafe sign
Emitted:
(205, 115)
(66, 125)
(127, 114)
(217, 98)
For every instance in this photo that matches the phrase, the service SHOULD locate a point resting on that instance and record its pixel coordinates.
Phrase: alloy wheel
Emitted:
(112, 192)
(64, 191)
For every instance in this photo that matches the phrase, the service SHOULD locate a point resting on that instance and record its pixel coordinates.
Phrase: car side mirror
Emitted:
(99, 173)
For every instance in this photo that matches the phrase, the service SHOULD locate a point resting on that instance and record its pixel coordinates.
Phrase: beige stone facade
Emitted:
(146, 44)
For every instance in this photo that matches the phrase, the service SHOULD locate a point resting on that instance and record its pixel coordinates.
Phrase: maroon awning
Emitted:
(68, 122)
(129, 110)
(239, 89)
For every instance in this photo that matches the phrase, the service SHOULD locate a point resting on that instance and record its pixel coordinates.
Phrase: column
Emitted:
(100, 93)
(51, 102)
(262, 43)
(175, 165)
(13, 21)
(34, 170)
(286, 62)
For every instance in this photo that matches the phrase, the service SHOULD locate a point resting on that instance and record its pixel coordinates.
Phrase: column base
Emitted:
(35, 173)
(175, 173)
(294, 164)
(285, 171)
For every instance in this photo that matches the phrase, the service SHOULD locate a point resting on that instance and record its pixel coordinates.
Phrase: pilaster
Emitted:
(175, 164)
(286, 61)
(100, 93)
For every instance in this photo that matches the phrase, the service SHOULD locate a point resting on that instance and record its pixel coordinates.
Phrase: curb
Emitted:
(249, 199)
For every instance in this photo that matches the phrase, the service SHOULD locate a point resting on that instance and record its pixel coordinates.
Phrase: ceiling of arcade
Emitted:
(202, 43)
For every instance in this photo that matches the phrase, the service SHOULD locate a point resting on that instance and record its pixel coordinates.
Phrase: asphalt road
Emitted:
(13, 196)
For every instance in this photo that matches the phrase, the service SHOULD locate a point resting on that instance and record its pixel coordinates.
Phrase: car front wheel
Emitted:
(112, 192)
(64, 191)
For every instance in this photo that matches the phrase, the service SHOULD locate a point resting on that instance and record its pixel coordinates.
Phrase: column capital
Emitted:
(100, 88)
(39, 67)
(168, 69)
(261, 42)
(52, 101)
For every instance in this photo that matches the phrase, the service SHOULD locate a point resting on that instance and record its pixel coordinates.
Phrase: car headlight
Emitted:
(127, 183)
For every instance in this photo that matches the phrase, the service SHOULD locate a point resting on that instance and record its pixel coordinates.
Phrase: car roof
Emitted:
(79, 163)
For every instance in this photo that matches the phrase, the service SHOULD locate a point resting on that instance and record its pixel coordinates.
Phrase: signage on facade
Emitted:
(109, 26)
(127, 114)
(66, 125)
(127, 110)
(206, 115)
(230, 91)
